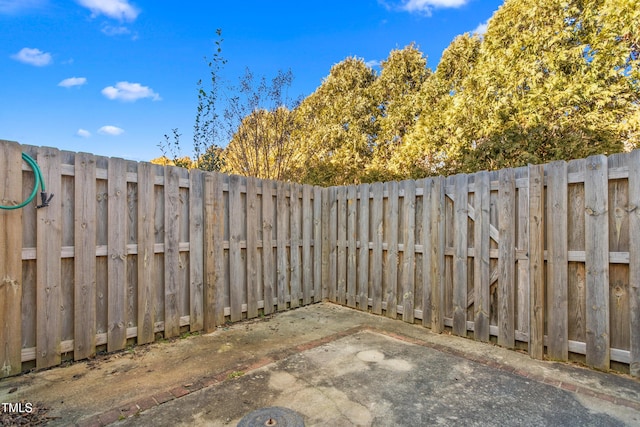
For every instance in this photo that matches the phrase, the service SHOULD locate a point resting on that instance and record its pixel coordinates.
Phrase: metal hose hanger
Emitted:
(39, 182)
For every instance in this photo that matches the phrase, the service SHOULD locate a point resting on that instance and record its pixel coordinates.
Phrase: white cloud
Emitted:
(10, 7)
(115, 31)
(480, 29)
(73, 81)
(422, 6)
(110, 130)
(125, 91)
(83, 133)
(116, 9)
(33, 57)
(372, 63)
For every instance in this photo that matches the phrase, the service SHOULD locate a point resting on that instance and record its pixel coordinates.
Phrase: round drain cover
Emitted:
(272, 417)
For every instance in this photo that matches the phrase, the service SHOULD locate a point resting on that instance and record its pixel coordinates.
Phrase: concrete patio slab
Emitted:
(334, 366)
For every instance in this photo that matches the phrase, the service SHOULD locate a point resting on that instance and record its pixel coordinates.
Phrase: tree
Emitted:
(549, 80)
(259, 123)
(206, 128)
(397, 92)
(335, 128)
(262, 146)
(434, 144)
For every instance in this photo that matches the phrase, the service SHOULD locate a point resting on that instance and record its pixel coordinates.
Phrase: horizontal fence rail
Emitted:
(544, 258)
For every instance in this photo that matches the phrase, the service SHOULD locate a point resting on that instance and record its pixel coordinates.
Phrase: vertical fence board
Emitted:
(597, 261)
(326, 250)
(294, 252)
(634, 262)
(308, 222)
(408, 256)
(341, 260)
(281, 237)
(522, 263)
(117, 254)
(391, 234)
(427, 189)
(267, 245)
(363, 255)
(84, 340)
(213, 251)
(318, 247)
(377, 228)
(11, 282)
(333, 244)
(352, 234)
(196, 250)
(146, 238)
(437, 244)
(536, 261)
(460, 245)
(171, 251)
(506, 258)
(235, 256)
(253, 282)
(48, 268)
(557, 261)
(481, 260)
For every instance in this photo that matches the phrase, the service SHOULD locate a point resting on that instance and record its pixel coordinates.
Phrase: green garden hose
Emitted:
(39, 182)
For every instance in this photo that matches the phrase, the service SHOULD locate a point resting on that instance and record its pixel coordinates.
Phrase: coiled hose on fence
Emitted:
(39, 182)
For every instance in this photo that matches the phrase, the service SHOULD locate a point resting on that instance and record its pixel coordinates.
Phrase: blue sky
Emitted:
(111, 77)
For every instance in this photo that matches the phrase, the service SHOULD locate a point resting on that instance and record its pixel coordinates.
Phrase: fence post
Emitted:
(634, 261)
(10, 260)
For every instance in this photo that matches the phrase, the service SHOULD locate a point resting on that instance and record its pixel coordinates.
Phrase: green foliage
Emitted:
(549, 80)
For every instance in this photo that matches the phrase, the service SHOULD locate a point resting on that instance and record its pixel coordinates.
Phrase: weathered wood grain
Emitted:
(391, 235)
(352, 236)
(282, 260)
(171, 251)
(377, 227)
(253, 280)
(308, 223)
(506, 259)
(236, 264)
(11, 283)
(634, 265)
(317, 243)
(460, 245)
(213, 251)
(341, 254)
(332, 293)
(557, 263)
(147, 287)
(84, 338)
(295, 281)
(117, 255)
(481, 259)
(437, 244)
(268, 270)
(363, 254)
(408, 255)
(196, 250)
(597, 262)
(536, 261)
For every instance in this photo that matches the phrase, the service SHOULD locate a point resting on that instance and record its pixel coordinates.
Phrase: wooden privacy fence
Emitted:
(547, 256)
(544, 257)
(127, 250)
